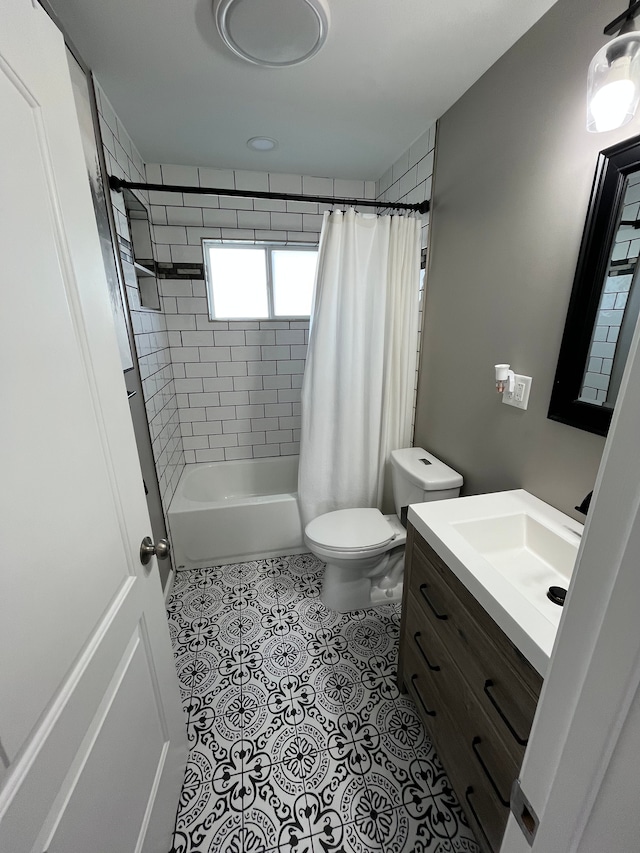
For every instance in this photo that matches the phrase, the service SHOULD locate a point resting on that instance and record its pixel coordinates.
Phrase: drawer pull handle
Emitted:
(467, 796)
(423, 586)
(475, 743)
(429, 713)
(433, 668)
(487, 686)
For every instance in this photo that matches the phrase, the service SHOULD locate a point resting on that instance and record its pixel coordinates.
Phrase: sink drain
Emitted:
(557, 594)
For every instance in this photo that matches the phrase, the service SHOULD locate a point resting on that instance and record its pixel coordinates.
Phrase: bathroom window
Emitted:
(259, 282)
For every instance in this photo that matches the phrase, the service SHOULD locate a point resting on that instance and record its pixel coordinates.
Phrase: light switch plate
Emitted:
(521, 391)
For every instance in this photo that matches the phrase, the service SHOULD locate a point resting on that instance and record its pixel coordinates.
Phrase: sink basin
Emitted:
(528, 553)
(508, 548)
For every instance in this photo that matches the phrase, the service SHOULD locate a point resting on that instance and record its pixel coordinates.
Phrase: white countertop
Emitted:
(527, 617)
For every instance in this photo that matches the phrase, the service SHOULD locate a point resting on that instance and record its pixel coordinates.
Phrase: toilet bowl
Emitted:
(364, 549)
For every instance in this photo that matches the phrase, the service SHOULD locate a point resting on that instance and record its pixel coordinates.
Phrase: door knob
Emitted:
(149, 550)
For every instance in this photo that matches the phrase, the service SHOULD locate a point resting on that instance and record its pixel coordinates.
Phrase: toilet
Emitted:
(364, 549)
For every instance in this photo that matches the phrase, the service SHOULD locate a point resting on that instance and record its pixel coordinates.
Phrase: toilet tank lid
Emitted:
(424, 470)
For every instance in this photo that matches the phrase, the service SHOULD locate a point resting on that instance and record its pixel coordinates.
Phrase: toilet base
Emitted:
(344, 589)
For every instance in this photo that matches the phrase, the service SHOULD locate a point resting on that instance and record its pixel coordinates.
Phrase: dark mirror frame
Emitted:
(614, 164)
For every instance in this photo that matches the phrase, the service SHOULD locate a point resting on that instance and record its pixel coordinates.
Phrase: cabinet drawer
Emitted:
(505, 684)
(485, 813)
(448, 689)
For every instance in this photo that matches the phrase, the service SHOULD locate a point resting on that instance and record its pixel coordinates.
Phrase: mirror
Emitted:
(605, 300)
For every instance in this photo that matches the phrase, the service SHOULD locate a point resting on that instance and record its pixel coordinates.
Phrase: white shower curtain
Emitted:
(357, 393)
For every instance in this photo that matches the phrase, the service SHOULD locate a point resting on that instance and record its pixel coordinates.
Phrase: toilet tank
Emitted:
(418, 476)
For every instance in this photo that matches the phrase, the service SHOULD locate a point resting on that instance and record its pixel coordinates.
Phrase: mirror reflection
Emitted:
(618, 307)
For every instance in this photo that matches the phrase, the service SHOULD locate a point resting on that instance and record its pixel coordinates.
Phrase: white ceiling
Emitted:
(388, 70)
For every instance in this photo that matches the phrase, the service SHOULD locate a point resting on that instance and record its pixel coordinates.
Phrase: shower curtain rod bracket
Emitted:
(118, 185)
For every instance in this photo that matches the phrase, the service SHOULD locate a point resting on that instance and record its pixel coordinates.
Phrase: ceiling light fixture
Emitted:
(262, 143)
(273, 34)
(614, 75)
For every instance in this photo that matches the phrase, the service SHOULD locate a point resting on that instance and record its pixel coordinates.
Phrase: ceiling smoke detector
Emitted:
(273, 33)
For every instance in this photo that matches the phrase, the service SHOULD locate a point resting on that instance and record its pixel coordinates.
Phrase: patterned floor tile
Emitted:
(300, 741)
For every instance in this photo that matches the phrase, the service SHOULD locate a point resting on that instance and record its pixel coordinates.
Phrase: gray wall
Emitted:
(514, 168)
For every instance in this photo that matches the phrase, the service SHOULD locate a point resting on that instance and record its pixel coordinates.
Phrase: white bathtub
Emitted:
(231, 512)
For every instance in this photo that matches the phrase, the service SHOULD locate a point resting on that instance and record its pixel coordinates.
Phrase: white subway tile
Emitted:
(210, 398)
(215, 354)
(184, 215)
(277, 410)
(191, 305)
(297, 351)
(217, 178)
(208, 369)
(275, 353)
(226, 338)
(288, 395)
(207, 428)
(259, 424)
(186, 254)
(251, 438)
(270, 204)
(236, 426)
(285, 183)
(253, 219)
(158, 214)
(197, 339)
(289, 448)
(221, 413)
(192, 415)
(292, 422)
(317, 186)
(278, 382)
(294, 366)
(286, 221)
(254, 410)
(233, 202)
(279, 435)
(257, 338)
(247, 383)
(266, 450)
(237, 234)
(214, 455)
(348, 189)
(232, 368)
(262, 368)
(231, 453)
(172, 234)
(244, 353)
(189, 456)
(246, 180)
(157, 197)
(223, 440)
(288, 336)
(220, 383)
(199, 200)
(400, 166)
(184, 353)
(179, 175)
(204, 322)
(263, 397)
(175, 287)
(196, 442)
(220, 218)
(311, 222)
(234, 398)
(184, 386)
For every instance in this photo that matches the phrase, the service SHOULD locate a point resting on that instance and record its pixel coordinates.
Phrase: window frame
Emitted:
(267, 248)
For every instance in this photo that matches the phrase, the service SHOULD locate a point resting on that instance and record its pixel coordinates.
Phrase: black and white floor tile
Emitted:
(300, 740)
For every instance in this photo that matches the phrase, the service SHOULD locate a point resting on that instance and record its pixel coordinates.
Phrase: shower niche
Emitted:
(142, 250)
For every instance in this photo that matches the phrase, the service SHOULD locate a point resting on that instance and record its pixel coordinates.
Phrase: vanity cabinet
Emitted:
(475, 691)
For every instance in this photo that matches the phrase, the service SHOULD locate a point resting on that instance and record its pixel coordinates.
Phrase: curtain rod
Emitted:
(117, 184)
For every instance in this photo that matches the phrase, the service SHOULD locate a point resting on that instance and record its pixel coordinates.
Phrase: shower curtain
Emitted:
(357, 393)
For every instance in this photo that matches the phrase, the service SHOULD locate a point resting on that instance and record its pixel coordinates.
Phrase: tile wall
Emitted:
(149, 327)
(613, 301)
(238, 383)
(410, 180)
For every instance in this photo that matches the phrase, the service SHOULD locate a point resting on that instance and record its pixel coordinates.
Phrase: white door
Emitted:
(92, 734)
(580, 770)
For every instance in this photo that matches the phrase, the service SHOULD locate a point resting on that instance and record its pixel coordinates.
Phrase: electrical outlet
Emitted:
(521, 390)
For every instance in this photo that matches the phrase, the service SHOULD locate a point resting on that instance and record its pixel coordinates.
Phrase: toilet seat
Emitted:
(350, 531)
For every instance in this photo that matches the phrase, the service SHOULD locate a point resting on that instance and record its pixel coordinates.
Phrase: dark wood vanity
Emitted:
(475, 691)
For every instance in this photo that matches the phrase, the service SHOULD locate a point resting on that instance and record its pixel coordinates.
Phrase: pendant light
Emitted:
(614, 75)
